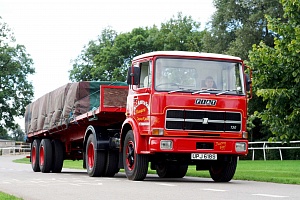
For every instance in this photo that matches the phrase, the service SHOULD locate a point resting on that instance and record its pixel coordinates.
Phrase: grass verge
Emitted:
(276, 171)
(4, 196)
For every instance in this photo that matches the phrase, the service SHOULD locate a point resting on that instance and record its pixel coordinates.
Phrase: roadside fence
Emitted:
(18, 149)
(265, 145)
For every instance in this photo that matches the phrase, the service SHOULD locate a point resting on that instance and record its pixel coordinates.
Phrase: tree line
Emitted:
(265, 33)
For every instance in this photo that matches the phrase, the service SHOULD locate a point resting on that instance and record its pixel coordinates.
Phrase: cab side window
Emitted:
(145, 80)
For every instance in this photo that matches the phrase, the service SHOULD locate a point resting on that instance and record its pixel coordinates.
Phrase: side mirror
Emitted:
(133, 76)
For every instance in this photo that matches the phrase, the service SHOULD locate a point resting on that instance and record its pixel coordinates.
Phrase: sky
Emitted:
(55, 31)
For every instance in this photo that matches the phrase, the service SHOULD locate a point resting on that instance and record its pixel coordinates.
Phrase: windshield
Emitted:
(198, 76)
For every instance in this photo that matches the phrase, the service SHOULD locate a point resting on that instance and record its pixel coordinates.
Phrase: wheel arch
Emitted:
(126, 127)
(130, 124)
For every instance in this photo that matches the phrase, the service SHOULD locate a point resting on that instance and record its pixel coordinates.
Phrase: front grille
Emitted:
(203, 120)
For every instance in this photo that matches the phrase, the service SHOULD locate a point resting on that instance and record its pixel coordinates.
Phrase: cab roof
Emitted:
(187, 54)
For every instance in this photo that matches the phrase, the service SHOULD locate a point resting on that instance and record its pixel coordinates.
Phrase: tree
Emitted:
(181, 33)
(277, 74)
(237, 24)
(15, 90)
(3, 134)
(18, 134)
(109, 57)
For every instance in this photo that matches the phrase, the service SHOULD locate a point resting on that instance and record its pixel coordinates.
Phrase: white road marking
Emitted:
(215, 190)
(5, 182)
(166, 184)
(270, 195)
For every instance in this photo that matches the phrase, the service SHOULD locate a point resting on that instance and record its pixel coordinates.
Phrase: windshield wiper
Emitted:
(205, 90)
(224, 92)
(180, 90)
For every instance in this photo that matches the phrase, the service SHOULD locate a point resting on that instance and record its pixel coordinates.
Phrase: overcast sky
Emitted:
(55, 31)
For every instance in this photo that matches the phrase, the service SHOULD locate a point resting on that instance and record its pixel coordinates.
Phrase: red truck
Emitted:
(176, 109)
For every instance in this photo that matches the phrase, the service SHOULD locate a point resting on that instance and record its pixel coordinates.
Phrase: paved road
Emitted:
(21, 181)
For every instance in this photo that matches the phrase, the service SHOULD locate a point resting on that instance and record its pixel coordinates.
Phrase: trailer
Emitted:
(177, 109)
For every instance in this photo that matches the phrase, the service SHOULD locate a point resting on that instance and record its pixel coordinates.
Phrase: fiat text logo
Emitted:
(207, 102)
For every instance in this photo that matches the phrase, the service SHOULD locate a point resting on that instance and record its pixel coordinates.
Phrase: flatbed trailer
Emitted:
(69, 132)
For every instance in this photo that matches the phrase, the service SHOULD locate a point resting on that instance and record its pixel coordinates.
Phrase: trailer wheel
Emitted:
(135, 165)
(111, 163)
(223, 171)
(58, 156)
(35, 155)
(95, 160)
(45, 155)
(171, 170)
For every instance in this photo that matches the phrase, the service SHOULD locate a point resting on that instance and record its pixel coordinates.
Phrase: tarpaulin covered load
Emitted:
(56, 108)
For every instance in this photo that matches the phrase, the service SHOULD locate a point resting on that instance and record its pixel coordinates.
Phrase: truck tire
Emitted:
(171, 170)
(223, 171)
(111, 163)
(35, 155)
(45, 155)
(135, 165)
(58, 156)
(95, 159)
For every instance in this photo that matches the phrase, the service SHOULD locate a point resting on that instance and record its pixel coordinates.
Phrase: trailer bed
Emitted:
(75, 104)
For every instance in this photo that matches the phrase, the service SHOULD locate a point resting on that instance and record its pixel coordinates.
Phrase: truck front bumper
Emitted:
(198, 145)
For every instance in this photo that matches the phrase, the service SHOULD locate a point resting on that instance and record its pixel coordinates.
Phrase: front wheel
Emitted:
(135, 165)
(223, 171)
(165, 170)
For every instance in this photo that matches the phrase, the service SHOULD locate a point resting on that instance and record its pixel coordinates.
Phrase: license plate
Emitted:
(204, 156)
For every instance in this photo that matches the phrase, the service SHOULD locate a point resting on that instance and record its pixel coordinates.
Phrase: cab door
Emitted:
(141, 98)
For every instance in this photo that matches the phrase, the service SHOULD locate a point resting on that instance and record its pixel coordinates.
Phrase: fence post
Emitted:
(264, 146)
(280, 154)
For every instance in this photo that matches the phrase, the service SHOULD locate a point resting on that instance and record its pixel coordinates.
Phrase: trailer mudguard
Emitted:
(102, 140)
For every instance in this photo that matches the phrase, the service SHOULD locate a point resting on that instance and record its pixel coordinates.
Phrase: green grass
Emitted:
(276, 171)
(77, 164)
(4, 196)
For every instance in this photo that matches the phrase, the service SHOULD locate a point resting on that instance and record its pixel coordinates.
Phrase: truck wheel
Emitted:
(58, 156)
(45, 155)
(112, 163)
(135, 165)
(172, 170)
(95, 160)
(35, 155)
(223, 171)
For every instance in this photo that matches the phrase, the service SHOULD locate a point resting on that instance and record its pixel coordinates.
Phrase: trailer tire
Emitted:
(35, 155)
(135, 165)
(58, 156)
(45, 155)
(112, 163)
(171, 170)
(223, 171)
(95, 159)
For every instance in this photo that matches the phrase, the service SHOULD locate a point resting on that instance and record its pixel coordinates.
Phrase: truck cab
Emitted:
(185, 108)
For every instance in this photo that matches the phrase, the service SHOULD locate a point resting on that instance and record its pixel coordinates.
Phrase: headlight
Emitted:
(240, 146)
(166, 144)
